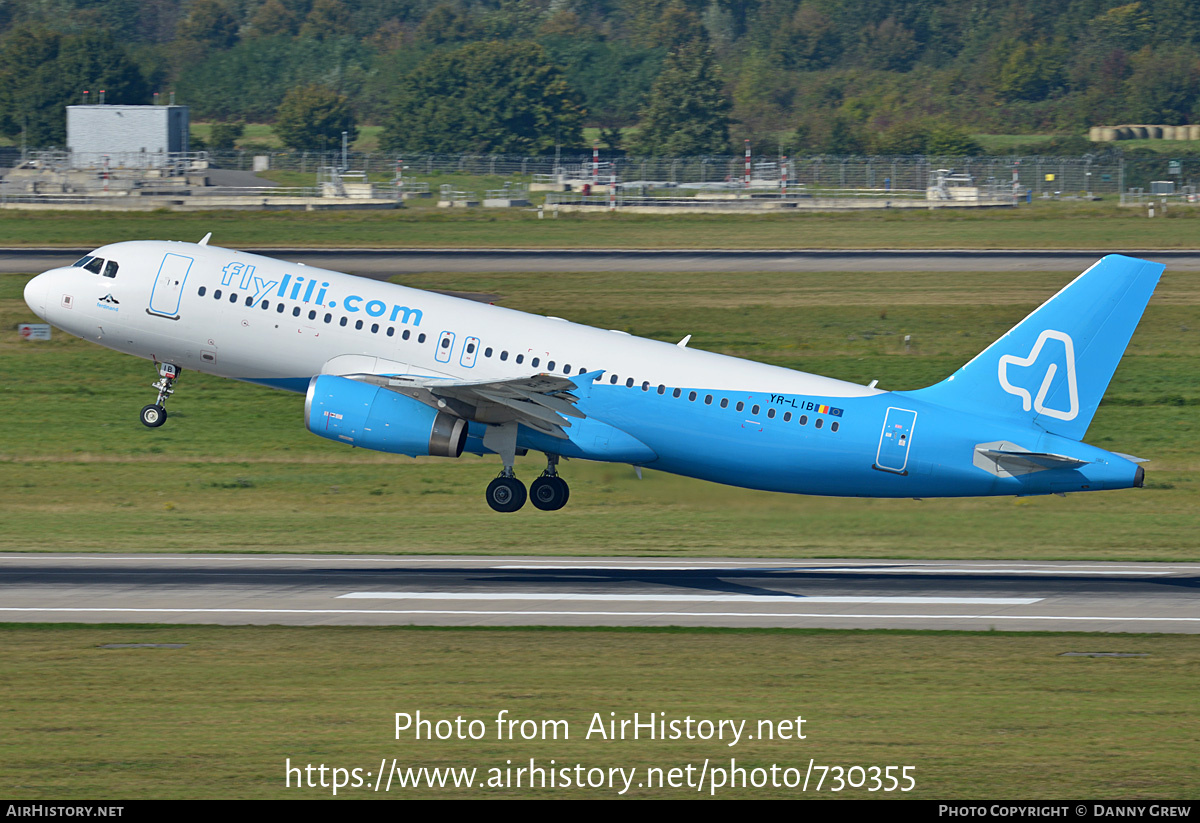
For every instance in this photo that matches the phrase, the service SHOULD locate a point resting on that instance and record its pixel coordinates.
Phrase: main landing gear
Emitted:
(507, 494)
(550, 492)
(155, 414)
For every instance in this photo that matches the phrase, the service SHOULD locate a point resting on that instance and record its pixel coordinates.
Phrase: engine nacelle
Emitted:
(373, 417)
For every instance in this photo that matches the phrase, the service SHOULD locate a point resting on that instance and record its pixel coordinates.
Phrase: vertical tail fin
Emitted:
(1053, 367)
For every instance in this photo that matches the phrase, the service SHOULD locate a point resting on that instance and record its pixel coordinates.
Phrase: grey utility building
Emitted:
(125, 136)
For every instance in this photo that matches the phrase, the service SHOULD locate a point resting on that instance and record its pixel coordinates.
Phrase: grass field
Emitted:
(234, 469)
(1051, 225)
(993, 715)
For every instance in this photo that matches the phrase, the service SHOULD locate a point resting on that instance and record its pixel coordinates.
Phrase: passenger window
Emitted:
(833, 426)
(724, 402)
(110, 270)
(676, 393)
(358, 324)
(550, 366)
(374, 328)
(407, 334)
(342, 322)
(804, 420)
(445, 342)
(534, 362)
(821, 422)
(265, 305)
(391, 331)
(567, 369)
(755, 409)
(312, 315)
(296, 313)
(421, 337)
(217, 294)
(503, 355)
(521, 359)
(249, 301)
(646, 386)
(202, 291)
(487, 352)
(95, 265)
(328, 318)
(233, 297)
(612, 378)
(770, 414)
(662, 389)
(708, 399)
(740, 405)
(691, 397)
(787, 417)
(629, 383)
(280, 307)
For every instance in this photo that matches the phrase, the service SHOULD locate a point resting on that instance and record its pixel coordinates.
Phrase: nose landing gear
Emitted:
(155, 414)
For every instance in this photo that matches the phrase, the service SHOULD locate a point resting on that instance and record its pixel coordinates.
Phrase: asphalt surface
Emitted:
(382, 263)
(571, 591)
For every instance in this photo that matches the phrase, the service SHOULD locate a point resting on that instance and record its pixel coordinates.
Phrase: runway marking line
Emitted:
(694, 598)
(483, 613)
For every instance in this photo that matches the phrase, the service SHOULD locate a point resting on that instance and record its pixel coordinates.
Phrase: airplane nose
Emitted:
(35, 295)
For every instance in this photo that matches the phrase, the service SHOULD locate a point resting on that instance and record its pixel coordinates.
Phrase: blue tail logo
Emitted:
(1050, 370)
(1038, 402)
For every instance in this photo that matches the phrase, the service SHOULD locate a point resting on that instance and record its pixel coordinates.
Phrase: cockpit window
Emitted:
(83, 261)
(110, 270)
(95, 265)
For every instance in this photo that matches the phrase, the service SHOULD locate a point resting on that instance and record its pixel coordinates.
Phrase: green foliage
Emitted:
(1031, 71)
(248, 81)
(209, 22)
(224, 135)
(312, 118)
(42, 72)
(589, 65)
(494, 97)
(687, 113)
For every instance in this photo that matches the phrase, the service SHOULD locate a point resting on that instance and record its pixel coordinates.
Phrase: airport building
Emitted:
(125, 136)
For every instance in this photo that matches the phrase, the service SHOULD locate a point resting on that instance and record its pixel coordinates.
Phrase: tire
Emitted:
(549, 493)
(153, 416)
(506, 494)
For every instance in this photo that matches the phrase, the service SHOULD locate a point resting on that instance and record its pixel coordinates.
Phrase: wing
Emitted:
(543, 402)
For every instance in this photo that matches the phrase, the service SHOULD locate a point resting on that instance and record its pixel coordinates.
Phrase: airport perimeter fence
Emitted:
(1038, 175)
(1100, 174)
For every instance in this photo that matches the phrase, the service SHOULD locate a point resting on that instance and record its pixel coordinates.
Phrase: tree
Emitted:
(687, 113)
(312, 118)
(225, 135)
(328, 18)
(42, 72)
(494, 97)
(209, 22)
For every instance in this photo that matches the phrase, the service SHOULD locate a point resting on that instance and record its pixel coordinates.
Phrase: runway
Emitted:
(308, 590)
(383, 263)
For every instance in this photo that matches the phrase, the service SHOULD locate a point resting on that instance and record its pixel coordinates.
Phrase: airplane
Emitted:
(410, 372)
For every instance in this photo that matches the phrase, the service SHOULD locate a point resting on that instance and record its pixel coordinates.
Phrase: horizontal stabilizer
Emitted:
(1033, 460)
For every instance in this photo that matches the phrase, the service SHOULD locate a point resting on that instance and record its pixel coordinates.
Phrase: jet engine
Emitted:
(373, 417)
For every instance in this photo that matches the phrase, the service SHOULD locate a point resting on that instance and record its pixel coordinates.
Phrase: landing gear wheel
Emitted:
(506, 494)
(153, 416)
(549, 493)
